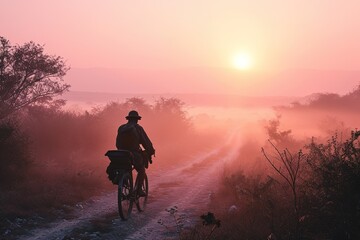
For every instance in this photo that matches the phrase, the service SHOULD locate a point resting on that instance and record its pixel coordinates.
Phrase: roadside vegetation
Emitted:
(304, 188)
(51, 158)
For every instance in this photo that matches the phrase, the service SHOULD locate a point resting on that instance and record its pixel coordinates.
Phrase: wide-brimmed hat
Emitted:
(133, 115)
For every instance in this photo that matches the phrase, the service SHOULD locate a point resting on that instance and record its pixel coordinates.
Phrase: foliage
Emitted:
(171, 110)
(327, 199)
(14, 157)
(177, 218)
(333, 194)
(28, 76)
(287, 165)
(202, 232)
(62, 160)
(313, 194)
(275, 134)
(261, 207)
(330, 101)
(210, 220)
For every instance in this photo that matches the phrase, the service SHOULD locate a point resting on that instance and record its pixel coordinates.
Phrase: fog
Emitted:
(58, 151)
(307, 143)
(251, 118)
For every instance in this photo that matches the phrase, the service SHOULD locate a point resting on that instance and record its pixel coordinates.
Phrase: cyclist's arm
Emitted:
(146, 142)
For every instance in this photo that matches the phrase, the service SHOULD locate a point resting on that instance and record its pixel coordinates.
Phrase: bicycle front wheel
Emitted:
(125, 201)
(141, 201)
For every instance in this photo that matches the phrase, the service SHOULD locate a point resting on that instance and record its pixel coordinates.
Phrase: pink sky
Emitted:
(279, 35)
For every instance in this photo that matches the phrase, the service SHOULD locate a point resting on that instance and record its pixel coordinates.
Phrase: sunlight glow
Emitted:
(242, 61)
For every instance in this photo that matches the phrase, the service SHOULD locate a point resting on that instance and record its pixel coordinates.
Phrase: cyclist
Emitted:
(129, 137)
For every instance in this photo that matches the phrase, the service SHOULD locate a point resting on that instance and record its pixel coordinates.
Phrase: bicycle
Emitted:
(127, 191)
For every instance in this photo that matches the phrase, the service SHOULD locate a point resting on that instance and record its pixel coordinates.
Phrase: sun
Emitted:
(242, 61)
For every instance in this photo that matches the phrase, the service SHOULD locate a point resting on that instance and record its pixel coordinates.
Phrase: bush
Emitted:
(63, 161)
(14, 154)
(326, 191)
(333, 194)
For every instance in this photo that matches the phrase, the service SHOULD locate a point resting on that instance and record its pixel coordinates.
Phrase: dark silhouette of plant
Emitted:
(13, 154)
(210, 220)
(274, 133)
(287, 165)
(329, 101)
(178, 219)
(333, 193)
(28, 76)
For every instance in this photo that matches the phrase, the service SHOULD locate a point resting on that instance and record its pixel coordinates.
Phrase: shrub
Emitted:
(14, 155)
(333, 194)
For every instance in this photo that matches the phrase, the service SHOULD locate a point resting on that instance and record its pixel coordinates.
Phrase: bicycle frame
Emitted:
(127, 188)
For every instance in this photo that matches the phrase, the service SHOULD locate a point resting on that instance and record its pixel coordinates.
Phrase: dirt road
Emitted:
(187, 189)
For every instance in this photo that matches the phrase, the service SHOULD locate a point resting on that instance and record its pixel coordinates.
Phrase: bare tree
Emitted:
(28, 76)
(288, 166)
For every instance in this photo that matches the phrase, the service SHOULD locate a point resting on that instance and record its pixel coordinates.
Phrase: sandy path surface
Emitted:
(187, 188)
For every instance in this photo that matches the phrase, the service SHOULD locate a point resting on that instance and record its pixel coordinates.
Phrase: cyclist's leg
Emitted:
(140, 168)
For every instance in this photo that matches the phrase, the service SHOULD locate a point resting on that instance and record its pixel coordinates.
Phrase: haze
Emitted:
(295, 47)
(252, 107)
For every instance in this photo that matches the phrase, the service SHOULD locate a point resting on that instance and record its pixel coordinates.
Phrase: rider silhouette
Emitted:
(130, 136)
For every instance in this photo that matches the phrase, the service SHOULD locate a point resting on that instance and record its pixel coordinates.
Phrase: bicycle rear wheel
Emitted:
(141, 201)
(125, 201)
